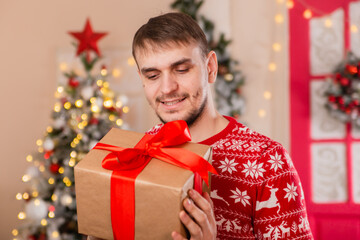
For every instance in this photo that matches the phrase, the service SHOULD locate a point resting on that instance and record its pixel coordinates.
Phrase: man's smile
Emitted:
(172, 101)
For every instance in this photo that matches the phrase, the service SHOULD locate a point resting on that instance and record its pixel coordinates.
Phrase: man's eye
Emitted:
(152, 76)
(183, 70)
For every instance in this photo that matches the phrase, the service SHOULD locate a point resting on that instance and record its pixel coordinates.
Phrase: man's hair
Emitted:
(169, 28)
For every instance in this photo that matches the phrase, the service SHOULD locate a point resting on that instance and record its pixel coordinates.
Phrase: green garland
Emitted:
(229, 82)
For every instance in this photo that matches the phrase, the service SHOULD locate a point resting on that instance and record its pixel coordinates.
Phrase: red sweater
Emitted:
(257, 194)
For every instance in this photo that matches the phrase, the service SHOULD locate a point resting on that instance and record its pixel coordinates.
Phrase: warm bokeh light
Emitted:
(116, 73)
(279, 18)
(119, 122)
(21, 215)
(63, 66)
(126, 109)
(25, 196)
(15, 232)
(26, 178)
(328, 23)
(276, 47)
(42, 168)
(99, 82)
(228, 77)
(290, 4)
(51, 214)
(29, 158)
(18, 196)
(272, 67)
(61, 170)
(54, 197)
(57, 107)
(39, 142)
(43, 222)
(49, 129)
(131, 61)
(354, 28)
(73, 154)
(307, 14)
(261, 113)
(51, 180)
(35, 194)
(79, 103)
(72, 162)
(267, 95)
(103, 72)
(67, 105)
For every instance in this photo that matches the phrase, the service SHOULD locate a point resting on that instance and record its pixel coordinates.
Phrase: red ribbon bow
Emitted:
(127, 163)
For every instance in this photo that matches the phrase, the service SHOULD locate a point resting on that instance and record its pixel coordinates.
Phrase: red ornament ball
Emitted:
(94, 121)
(344, 81)
(332, 98)
(54, 167)
(351, 69)
(340, 100)
(348, 110)
(31, 237)
(73, 82)
(48, 154)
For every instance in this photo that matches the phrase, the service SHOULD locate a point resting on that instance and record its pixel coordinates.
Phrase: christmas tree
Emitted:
(85, 110)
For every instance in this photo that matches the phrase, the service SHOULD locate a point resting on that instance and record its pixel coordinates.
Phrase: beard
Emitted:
(192, 115)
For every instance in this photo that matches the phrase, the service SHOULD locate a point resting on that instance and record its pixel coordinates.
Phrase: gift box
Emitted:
(159, 188)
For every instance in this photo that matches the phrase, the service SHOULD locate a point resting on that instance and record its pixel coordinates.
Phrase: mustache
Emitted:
(163, 97)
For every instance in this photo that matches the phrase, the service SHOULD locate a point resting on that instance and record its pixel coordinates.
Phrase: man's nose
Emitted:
(168, 84)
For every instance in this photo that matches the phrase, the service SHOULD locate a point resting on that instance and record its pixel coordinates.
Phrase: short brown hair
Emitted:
(168, 28)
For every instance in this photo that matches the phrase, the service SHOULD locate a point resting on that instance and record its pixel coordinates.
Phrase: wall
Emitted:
(256, 26)
(33, 31)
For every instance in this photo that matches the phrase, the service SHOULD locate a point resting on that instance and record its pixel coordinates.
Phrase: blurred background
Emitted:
(287, 51)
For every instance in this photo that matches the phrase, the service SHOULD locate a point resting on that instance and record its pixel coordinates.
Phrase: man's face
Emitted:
(175, 81)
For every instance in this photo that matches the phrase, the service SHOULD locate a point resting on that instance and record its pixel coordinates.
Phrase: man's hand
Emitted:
(200, 220)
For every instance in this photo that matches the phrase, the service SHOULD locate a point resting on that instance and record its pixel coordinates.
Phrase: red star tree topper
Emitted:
(88, 39)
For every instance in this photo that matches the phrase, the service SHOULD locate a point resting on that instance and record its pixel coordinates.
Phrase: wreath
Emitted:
(343, 91)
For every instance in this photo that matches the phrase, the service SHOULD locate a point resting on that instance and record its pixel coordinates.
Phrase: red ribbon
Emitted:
(127, 163)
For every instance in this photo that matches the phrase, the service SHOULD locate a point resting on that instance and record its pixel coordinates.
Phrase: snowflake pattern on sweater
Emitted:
(257, 194)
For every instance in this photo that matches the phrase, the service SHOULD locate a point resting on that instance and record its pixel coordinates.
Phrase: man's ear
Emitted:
(141, 79)
(212, 66)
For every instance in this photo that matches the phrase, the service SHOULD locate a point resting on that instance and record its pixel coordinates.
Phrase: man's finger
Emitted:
(193, 227)
(207, 197)
(203, 203)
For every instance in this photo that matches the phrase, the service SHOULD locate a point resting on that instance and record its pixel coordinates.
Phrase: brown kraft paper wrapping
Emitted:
(159, 191)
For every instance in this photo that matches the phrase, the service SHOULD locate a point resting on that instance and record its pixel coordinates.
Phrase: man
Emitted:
(257, 194)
